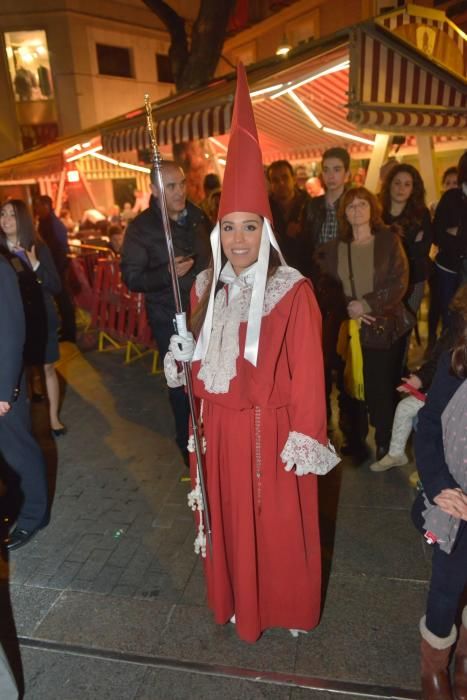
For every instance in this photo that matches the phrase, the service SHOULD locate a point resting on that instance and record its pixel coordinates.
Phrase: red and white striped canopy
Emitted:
(397, 86)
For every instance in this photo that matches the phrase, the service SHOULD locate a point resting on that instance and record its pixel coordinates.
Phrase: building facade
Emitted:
(69, 64)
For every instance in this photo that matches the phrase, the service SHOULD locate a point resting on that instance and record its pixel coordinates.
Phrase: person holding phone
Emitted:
(145, 268)
(24, 509)
(39, 283)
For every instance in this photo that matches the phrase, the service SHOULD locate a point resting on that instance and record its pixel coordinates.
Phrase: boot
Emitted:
(434, 653)
(460, 666)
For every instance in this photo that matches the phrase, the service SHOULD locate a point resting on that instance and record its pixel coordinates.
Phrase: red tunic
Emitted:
(266, 562)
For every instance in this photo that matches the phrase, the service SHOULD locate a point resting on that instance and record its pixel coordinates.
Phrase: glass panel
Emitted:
(29, 65)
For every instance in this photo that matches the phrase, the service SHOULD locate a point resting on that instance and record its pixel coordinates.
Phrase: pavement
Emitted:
(108, 601)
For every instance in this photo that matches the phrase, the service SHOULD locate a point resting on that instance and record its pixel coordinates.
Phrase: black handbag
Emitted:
(380, 334)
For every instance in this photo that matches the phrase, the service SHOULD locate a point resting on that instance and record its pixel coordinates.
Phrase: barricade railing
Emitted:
(120, 316)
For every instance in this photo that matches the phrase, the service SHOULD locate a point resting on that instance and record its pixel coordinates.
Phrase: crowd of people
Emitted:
(287, 294)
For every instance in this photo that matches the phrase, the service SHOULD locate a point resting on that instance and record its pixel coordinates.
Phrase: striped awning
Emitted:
(395, 86)
(211, 121)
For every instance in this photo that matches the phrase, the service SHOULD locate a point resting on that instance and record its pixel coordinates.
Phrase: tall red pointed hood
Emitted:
(244, 187)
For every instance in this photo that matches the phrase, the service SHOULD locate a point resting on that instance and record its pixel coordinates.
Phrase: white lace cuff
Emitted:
(308, 455)
(173, 375)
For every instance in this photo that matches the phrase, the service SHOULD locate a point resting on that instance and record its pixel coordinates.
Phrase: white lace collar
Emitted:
(219, 365)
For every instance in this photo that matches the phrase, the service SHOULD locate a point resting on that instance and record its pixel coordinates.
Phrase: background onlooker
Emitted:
(450, 235)
(288, 207)
(448, 182)
(301, 176)
(440, 511)
(403, 201)
(321, 227)
(314, 187)
(211, 183)
(365, 277)
(420, 381)
(55, 236)
(116, 237)
(39, 283)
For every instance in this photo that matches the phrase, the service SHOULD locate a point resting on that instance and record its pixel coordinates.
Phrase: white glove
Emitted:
(182, 347)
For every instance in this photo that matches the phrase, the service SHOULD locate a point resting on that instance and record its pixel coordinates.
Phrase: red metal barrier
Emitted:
(120, 315)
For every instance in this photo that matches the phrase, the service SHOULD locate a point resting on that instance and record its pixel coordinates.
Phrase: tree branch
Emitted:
(207, 40)
(178, 51)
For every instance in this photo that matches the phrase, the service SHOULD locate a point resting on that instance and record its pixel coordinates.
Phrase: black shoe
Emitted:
(59, 431)
(381, 451)
(18, 538)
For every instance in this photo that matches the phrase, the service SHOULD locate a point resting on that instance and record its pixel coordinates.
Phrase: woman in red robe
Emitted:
(258, 374)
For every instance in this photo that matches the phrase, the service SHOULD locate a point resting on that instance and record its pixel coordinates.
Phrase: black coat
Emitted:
(145, 259)
(12, 332)
(429, 451)
(450, 228)
(37, 291)
(417, 237)
(294, 248)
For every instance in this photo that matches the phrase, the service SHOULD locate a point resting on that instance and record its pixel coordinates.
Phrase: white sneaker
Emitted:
(233, 619)
(388, 462)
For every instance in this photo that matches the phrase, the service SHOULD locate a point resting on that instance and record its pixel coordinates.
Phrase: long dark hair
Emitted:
(345, 228)
(415, 206)
(25, 231)
(199, 314)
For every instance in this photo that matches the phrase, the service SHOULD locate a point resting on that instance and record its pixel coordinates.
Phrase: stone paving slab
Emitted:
(378, 543)
(60, 676)
(368, 633)
(115, 569)
(72, 677)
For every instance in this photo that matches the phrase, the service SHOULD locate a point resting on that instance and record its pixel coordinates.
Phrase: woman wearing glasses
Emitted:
(365, 272)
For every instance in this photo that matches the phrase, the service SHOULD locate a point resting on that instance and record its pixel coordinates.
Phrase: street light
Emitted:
(283, 48)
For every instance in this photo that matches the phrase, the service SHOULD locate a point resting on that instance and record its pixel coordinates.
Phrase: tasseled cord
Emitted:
(195, 497)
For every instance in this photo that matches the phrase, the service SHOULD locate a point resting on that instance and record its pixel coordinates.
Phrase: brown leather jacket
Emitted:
(391, 277)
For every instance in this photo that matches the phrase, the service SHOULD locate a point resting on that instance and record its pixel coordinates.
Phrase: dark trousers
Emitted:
(434, 312)
(447, 284)
(381, 374)
(447, 584)
(66, 310)
(23, 467)
(353, 416)
(162, 330)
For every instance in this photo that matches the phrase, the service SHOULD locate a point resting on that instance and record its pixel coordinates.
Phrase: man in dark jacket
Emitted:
(145, 268)
(22, 466)
(288, 208)
(321, 212)
(53, 232)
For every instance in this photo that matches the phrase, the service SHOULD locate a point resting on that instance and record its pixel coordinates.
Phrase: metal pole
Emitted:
(180, 315)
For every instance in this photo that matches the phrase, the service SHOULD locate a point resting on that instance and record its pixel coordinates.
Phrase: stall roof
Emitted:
(46, 160)
(403, 72)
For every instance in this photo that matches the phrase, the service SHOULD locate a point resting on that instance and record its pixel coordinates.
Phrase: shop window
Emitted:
(114, 60)
(164, 69)
(29, 65)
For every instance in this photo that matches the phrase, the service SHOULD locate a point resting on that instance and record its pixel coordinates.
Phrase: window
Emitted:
(114, 60)
(29, 66)
(164, 70)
